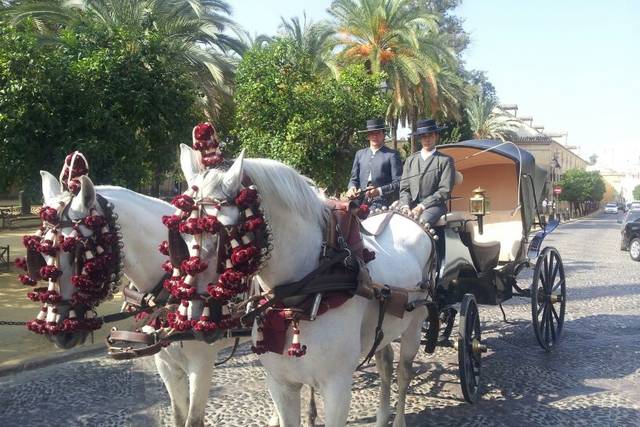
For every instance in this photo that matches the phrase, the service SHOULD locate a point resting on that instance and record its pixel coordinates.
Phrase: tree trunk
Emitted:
(394, 132)
(155, 185)
(415, 145)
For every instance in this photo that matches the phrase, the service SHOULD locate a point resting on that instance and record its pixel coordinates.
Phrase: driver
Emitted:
(427, 177)
(376, 170)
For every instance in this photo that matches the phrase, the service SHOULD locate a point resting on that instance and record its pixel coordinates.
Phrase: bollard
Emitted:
(25, 203)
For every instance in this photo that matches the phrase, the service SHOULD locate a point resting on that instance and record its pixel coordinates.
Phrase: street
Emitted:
(592, 378)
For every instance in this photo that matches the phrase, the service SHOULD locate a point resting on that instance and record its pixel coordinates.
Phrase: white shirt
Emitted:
(424, 154)
(373, 153)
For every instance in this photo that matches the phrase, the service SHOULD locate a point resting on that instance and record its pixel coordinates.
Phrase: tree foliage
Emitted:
(636, 192)
(488, 122)
(112, 96)
(287, 112)
(580, 186)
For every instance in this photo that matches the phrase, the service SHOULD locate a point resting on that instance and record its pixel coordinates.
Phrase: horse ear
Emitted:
(50, 187)
(189, 162)
(233, 177)
(86, 197)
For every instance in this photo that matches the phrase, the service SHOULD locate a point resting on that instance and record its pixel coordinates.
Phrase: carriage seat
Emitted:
(502, 227)
(484, 254)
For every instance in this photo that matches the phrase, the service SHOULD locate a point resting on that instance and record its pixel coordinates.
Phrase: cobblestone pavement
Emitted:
(591, 379)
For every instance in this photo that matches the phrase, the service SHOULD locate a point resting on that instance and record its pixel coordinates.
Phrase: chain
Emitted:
(10, 323)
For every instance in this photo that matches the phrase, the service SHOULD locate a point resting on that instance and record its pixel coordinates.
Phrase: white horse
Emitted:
(337, 339)
(185, 368)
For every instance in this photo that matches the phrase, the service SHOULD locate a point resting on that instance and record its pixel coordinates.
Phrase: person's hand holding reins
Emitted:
(352, 193)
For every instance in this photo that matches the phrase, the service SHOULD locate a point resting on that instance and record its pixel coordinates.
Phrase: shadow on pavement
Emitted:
(576, 384)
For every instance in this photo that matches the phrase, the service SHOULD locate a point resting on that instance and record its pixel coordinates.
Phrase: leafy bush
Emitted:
(285, 111)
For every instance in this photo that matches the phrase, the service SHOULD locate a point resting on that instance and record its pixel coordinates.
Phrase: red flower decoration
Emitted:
(74, 186)
(46, 247)
(167, 266)
(49, 214)
(31, 242)
(27, 280)
(204, 131)
(243, 254)
(79, 167)
(209, 224)
(95, 222)
(368, 255)
(246, 198)
(21, 263)
(363, 211)
(164, 248)
(254, 223)
(172, 222)
(190, 226)
(183, 202)
(50, 272)
(82, 282)
(37, 326)
(193, 265)
(212, 160)
(108, 239)
(179, 322)
(230, 277)
(69, 244)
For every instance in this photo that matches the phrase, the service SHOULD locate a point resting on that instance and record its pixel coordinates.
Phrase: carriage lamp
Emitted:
(478, 204)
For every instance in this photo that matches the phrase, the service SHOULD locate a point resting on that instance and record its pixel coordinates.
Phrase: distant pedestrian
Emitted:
(545, 206)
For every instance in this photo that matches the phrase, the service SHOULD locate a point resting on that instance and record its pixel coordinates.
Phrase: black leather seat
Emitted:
(484, 255)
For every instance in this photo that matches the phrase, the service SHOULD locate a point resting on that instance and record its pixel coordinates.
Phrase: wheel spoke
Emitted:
(553, 275)
(543, 320)
(552, 327)
(544, 271)
(550, 276)
(546, 326)
(555, 314)
(541, 307)
(560, 283)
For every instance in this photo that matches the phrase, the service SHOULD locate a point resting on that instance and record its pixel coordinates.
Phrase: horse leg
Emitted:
(409, 345)
(286, 397)
(177, 386)
(337, 399)
(384, 364)
(311, 413)
(201, 364)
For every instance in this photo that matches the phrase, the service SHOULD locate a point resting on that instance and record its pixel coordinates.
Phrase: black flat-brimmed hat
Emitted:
(374, 125)
(427, 126)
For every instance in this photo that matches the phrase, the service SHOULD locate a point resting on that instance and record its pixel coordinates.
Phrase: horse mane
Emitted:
(114, 191)
(287, 187)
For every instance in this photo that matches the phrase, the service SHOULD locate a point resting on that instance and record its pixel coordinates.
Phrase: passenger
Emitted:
(376, 169)
(428, 176)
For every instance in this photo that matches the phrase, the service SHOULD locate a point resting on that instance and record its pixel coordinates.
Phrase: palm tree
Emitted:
(400, 39)
(313, 38)
(488, 121)
(194, 31)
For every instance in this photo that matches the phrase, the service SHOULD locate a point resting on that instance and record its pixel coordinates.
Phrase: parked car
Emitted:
(631, 235)
(611, 208)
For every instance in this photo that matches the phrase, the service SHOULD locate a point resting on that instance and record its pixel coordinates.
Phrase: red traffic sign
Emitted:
(557, 190)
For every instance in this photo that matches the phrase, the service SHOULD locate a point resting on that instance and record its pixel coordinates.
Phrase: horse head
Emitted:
(76, 252)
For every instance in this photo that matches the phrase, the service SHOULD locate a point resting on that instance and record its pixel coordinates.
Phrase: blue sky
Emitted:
(572, 65)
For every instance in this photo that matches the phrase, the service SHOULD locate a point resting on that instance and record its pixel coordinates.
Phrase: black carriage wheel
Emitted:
(548, 298)
(470, 349)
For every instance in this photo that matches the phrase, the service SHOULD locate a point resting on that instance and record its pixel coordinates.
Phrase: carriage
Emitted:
(484, 244)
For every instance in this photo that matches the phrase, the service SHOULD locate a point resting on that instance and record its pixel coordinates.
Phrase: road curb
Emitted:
(44, 361)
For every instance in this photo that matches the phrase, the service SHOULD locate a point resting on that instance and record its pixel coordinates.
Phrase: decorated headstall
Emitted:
(242, 247)
(95, 253)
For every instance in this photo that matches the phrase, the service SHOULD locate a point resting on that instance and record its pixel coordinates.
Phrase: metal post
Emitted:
(25, 203)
